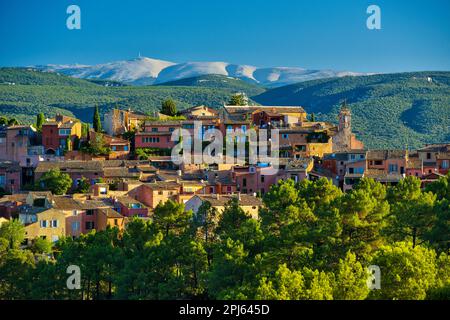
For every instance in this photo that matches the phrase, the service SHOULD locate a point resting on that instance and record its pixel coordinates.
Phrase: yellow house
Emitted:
(199, 112)
(109, 217)
(248, 203)
(49, 224)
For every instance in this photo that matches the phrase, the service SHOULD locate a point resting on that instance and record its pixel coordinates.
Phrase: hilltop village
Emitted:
(62, 178)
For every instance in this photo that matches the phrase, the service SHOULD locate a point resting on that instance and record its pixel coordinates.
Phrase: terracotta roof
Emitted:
(129, 200)
(66, 203)
(70, 166)
(298, 164)
(149, 133)
(163, 185)
(441, 147)
(111, 213)
(202, 107)
(121, 172)
(220, 176)
(221, 200)
(279, 109)
(382, 176)
(386, 154)
(162, 123)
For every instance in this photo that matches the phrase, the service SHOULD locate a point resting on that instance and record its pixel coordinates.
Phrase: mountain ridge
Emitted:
(148, 71)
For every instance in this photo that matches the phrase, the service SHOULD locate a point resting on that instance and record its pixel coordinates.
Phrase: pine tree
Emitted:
(169, 108)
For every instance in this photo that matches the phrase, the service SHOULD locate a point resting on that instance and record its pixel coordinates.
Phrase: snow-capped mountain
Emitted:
(145, 71)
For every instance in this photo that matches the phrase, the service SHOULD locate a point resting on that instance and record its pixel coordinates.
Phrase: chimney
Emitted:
(239, 196)
(217, 196)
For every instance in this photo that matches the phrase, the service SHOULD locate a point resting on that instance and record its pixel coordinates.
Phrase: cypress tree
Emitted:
(97, 123)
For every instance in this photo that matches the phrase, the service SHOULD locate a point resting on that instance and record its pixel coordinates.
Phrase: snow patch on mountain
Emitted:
(145, 71)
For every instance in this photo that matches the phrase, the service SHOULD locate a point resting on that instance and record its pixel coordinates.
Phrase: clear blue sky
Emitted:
(415, 34)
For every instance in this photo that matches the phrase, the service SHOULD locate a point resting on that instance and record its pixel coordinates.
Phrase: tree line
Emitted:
(311, 241)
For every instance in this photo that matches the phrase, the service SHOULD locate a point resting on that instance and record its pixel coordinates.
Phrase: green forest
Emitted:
(389, 110)
(311, 241)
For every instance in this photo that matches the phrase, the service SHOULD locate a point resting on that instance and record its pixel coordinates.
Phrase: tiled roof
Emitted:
(298, 164)
(129, 200)
(441, 147)
(163, 185)
(162, 123)
(386, 154)
(111, 213)
(219, 176)
(279, 109)
(221, 200)
(66, 203)
(122, 172)
(382, 176)
(70, 166)
(149, 133)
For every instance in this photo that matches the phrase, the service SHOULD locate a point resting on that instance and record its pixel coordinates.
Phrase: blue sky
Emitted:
(415, 34)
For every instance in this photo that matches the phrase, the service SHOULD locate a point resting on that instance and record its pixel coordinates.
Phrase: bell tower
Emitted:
(345, 118)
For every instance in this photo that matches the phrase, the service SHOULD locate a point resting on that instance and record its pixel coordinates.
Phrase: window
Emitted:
(64, 132)
(244, 182)
(54, 223)
(43, 223)
(352, 157)
(103, 190)
(262, 178)
(75, 226)
(428, 155)
(113, 148)
(171, 129)
(55, 238)
(116, 222)
(154, 129)
(125, 148)
(211, 189)
(445, 164)
(150, 139)
(361, 156)
(90, 212)
(378, 162)
(285, 135)
(393, 168)
(89, 225)
(74, 212)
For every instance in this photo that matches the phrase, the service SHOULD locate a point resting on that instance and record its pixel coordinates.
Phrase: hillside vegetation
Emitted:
(218, 82)
(389, 110)
(36, 91)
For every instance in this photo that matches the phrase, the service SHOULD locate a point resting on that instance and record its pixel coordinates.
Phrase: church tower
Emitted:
(345, 118)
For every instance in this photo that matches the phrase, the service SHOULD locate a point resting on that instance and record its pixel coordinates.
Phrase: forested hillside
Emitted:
(25, 92)
(389, 110)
